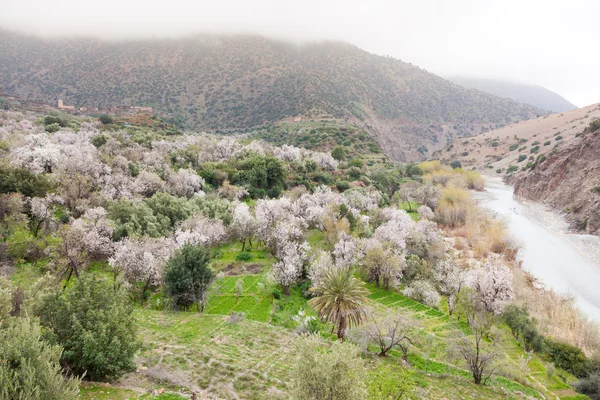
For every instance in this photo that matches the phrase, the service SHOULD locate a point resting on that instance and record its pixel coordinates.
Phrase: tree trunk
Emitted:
(341, 328)
(286, 290)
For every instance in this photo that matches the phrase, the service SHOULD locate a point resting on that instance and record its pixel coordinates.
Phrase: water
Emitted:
(565, 262)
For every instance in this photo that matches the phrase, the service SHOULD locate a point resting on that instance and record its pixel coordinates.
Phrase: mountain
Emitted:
(237, 82)
(535, 95)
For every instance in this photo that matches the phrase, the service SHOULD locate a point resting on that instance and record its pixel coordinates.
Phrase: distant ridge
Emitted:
(535, 95)
(238, 82)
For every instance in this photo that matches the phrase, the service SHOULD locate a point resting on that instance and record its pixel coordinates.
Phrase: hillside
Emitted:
(517, 146)
(569, 181)
(225, 83)
(535, 95)
(97, 214)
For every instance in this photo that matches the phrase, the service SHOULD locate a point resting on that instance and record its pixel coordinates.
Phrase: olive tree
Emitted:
(188, 276)
(324, 372)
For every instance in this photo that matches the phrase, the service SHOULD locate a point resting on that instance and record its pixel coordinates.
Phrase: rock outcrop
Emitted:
(569, 181)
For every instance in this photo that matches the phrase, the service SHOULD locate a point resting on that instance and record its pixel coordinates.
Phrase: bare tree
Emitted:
(479, 356)
(392, 332)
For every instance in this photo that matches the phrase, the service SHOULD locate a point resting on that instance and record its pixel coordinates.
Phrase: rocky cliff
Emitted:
(569, 181)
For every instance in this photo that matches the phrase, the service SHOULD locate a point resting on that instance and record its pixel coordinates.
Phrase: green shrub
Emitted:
(99, 140)
(327, 371)
(511, 168)
(29, 366)
(342, 186)
(456, 164)
(559, 137)
(244, 256)
(596, 189)
(513, 147)
(338, 153)
(495, 144)
(106, 119)
(93, 320)
(52, 119)
(465, 153)
(547, 143)
(52, 128)
(567, 357)
(187, 277)
(534, 149)
(356, 162)
(22, 181)
(522, 157)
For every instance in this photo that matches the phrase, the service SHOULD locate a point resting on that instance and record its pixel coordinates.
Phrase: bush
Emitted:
(589, 386)
(522, 157)
(106, 119)
(559, 137)
(511, 169)
(244, 256)
(22, 181)
(534, 149)
(596, 189)
(99, 140)
(567, 357)
(547, 143)
(456, 164)
(333, 371)
(187, 277)
(94, 323)
(513, 147)
(342, 186)
(338, 153)
(52, 128)
(454, 207)
(29, 367)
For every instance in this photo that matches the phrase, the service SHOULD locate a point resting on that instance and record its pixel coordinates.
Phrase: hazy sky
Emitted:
(547, 42)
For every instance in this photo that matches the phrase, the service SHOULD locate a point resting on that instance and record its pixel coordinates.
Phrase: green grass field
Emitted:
(252, 359)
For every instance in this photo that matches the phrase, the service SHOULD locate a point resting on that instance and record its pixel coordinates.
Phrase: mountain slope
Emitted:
(537, 96)
(569, 181)
(518, 145)
(238, 82)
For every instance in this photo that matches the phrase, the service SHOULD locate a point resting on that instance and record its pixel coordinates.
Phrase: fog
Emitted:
(545, 42)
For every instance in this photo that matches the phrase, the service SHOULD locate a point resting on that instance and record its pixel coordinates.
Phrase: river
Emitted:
(567, 263)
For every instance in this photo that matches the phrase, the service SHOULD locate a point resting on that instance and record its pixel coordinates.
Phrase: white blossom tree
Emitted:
(493, 283)
(186, 182)
(199, 230)
(450, 278)
(244, 224)
(141, 261)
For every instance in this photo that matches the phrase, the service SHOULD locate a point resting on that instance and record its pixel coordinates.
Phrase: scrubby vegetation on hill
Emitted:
(232, 268)
(225, 83)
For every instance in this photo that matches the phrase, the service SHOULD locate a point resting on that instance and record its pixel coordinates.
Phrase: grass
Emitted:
(189, 351)
(226, 255)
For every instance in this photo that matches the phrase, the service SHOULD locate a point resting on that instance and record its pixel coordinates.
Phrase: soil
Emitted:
(242, 269)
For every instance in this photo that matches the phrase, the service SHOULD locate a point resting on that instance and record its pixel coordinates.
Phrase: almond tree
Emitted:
(479, 356)
(391, 332)
(494, 284)
(142, 261)
(244, 224)
(451, 278)
(199, 230)
(186, 182)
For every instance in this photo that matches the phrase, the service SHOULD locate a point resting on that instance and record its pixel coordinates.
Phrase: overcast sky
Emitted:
(546, 42)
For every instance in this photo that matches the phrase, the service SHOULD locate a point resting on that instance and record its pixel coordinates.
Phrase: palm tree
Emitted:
(340, 300)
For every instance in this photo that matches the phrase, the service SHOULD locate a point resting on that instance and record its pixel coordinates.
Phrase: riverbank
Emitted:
(562, 261)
